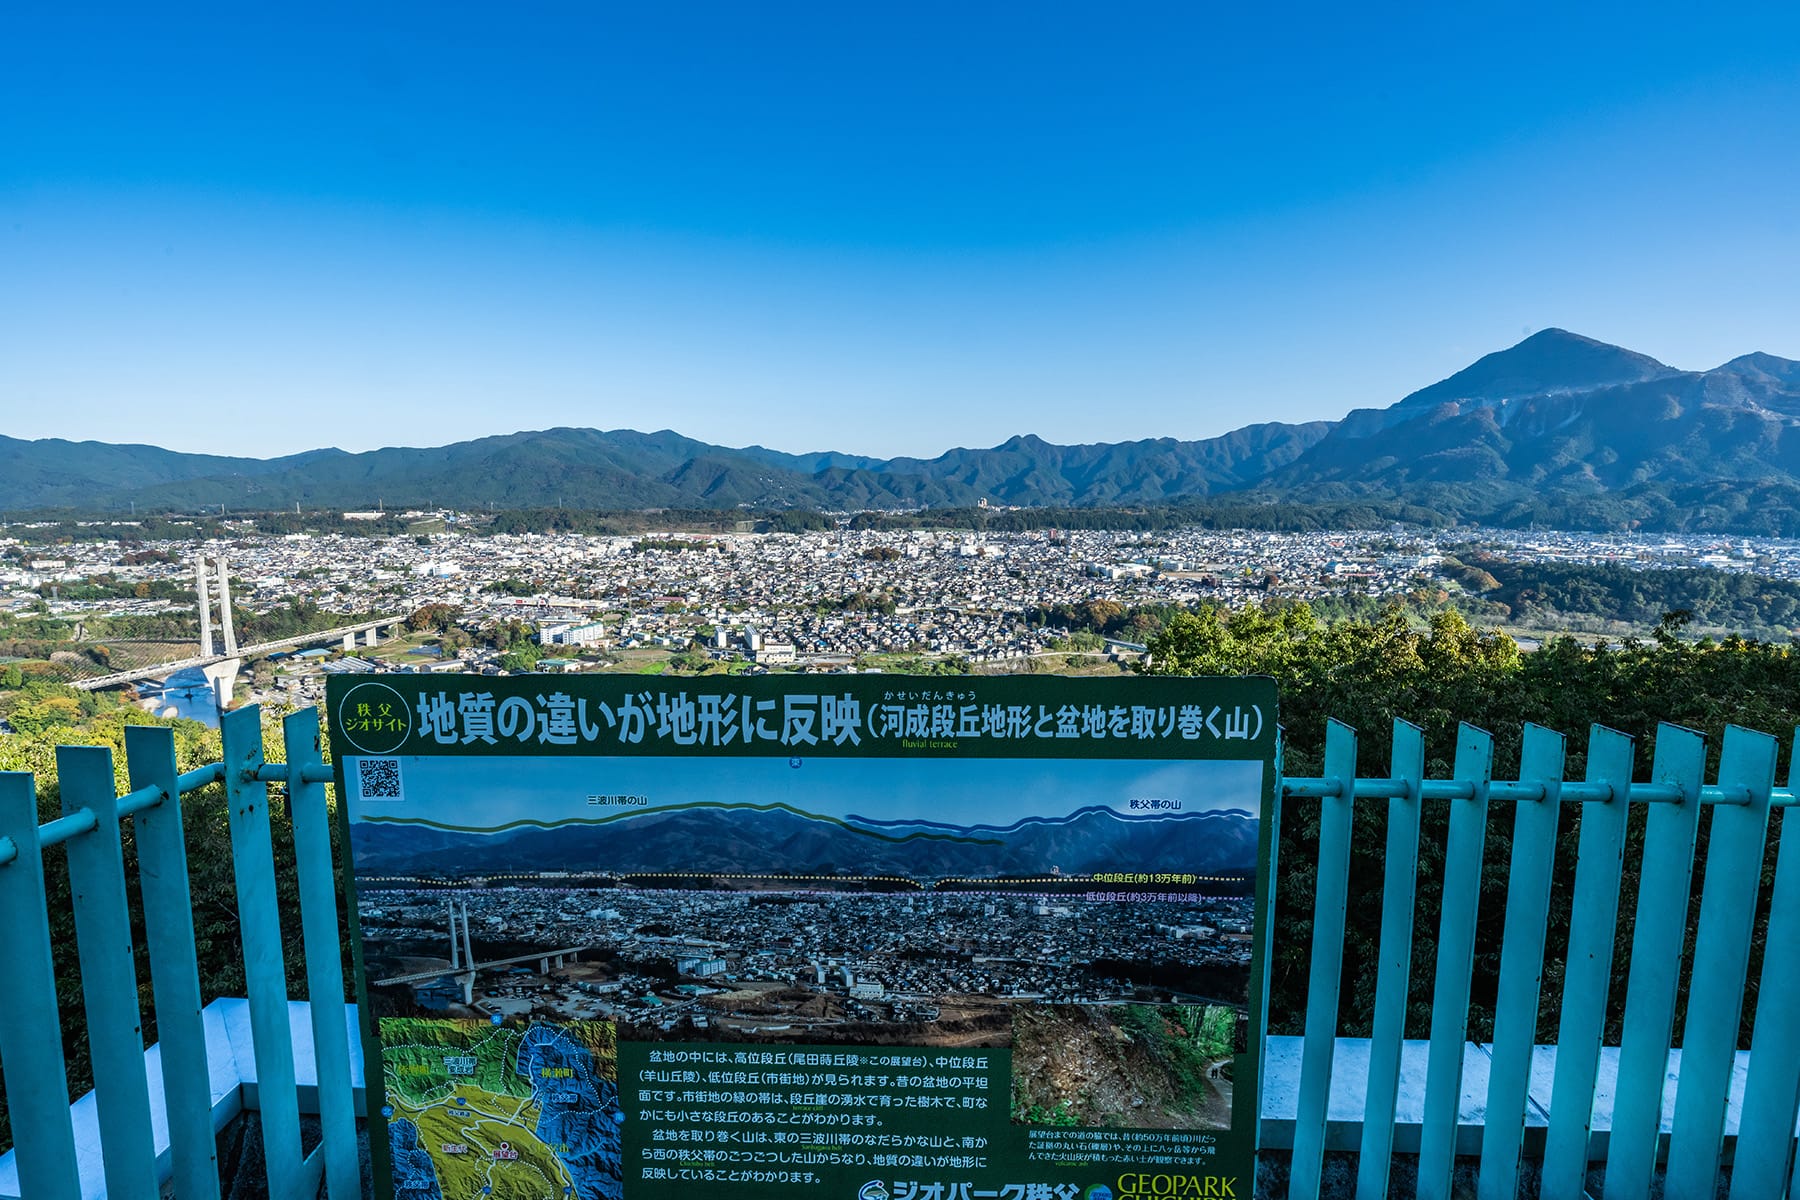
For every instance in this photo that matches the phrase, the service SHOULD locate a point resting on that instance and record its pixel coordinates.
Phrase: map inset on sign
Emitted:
(481, 1111)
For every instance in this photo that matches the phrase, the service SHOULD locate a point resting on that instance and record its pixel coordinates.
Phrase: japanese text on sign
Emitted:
(799, 720)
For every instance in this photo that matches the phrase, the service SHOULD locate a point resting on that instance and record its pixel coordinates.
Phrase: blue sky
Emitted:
(491, 792)
(884, 230)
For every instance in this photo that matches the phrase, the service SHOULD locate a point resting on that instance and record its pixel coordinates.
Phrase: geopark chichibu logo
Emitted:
(872, 1190)
(373, 718)
(1098, 1191)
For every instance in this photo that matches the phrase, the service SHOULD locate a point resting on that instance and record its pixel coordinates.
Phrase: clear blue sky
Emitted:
(881, 229)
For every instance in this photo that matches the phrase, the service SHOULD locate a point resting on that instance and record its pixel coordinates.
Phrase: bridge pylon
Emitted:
(203, 599)
(205, 606)
(225, 629)
(223, 677)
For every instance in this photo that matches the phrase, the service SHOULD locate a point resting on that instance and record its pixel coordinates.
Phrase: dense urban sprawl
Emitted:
(827, 600)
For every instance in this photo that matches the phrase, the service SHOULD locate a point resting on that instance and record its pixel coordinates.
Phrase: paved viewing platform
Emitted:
(234, 1084)
(231, 1060)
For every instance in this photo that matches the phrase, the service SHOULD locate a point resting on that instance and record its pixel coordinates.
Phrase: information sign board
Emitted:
(835, 937)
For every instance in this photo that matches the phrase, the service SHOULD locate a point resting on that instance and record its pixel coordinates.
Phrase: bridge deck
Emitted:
(96, 682)
(422, 976)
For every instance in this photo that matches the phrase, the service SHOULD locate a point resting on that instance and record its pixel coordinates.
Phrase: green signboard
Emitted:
(833, 937)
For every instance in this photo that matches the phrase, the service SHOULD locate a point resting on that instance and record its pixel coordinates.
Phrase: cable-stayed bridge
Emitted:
(463, 966)
(368, 630)
(229, 652)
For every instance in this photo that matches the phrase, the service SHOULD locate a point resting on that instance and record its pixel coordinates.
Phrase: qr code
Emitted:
(378, 778)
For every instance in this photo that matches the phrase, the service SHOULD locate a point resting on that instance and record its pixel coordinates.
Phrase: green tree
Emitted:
(440, 617)
(1371, 672)
(522, 657)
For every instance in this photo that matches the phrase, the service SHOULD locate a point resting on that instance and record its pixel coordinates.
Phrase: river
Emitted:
(190, 695)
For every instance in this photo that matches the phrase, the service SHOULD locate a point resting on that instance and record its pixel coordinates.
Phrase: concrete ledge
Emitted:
(231, 1063)
(1350, 1081)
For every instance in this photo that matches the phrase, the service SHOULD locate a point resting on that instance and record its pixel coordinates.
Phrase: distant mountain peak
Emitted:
(1556, 335)
(1550, 360)
(1757, 365)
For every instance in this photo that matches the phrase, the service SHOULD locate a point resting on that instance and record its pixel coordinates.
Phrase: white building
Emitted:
(701, 967)
(776, 654)
(570, 633)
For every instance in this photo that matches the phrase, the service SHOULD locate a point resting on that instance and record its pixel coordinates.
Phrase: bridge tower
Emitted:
(200, 594)
(225, 629)
(204, 601)
(453, 946)
(222, 675)
(467, 976)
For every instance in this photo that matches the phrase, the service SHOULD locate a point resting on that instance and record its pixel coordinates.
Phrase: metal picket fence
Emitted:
(31, 1051)
(1741, 798)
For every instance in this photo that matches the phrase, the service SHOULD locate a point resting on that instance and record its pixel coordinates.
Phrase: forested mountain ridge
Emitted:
(622, 469)
(1559, 429)
(1568, 414)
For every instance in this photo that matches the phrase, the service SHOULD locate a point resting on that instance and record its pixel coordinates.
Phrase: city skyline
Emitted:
(864, 233)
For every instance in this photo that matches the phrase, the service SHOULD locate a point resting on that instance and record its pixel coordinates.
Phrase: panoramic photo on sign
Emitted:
(853, 938)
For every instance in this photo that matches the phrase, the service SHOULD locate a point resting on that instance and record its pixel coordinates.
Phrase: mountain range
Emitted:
(1557, 417)
(744, 839)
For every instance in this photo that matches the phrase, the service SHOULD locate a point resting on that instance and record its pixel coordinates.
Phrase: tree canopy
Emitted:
(1370, 673)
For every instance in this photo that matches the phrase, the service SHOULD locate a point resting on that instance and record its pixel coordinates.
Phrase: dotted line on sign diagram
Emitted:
(784, 878)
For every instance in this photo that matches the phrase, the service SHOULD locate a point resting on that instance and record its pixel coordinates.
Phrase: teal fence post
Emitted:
(1765, 1142)
(1455, 961)
(31, 1051)
(1399, 886)
(108, 974)
(1330, 901)
(174, 966)
(1263, 962)
(265, 968)
(1587, 977)
(324, 966)
(1665, 881)
(1529, 877)
(1721, 959)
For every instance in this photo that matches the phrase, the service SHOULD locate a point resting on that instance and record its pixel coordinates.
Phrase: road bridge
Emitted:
(346, 633)
(547, 961)
(214, 588)
(462, 958)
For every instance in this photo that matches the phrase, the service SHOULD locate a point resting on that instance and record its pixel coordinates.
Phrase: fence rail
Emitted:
(1742, 797)
(45, 1153)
